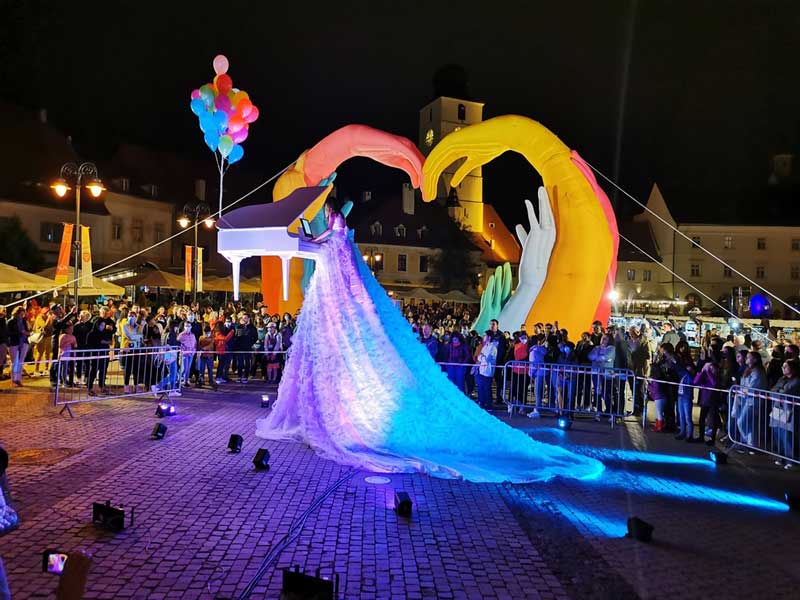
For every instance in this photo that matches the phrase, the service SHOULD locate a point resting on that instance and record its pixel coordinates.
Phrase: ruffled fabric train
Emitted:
(362, 391)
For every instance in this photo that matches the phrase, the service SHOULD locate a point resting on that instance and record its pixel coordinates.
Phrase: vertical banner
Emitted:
(86, 258)
(62, 268)
(199, 269)
(187, 271)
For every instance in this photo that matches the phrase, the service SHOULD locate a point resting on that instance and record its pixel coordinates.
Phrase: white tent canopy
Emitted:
(99, 286)
(14, 280)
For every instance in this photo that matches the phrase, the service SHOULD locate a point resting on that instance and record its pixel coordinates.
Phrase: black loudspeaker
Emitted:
(792, 500)
(235, 443)
(108, 517)
(639, 530)
(261, 461)
(159, 431)
(402, 504)
(301, 586)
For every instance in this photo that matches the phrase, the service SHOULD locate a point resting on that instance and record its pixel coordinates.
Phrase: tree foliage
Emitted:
(454, 266)
(17, 248)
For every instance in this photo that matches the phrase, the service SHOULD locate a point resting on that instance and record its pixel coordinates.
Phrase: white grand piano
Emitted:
(268, 230)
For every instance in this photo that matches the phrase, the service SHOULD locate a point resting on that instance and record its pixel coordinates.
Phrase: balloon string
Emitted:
(216, 215)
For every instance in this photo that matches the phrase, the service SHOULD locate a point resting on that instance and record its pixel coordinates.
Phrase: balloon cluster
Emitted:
(224, 112)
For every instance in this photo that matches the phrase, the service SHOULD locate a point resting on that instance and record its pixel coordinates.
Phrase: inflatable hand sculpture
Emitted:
(494, 297)
(583, 252)
(537, 246)
(317, 164)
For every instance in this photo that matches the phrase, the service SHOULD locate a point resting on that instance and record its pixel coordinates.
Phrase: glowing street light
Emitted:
(613, 295)
(192, 214)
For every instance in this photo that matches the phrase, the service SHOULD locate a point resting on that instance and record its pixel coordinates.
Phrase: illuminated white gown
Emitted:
(362, 391)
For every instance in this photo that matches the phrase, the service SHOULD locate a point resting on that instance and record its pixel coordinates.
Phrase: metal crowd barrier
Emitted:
(117, 373)
(764, 421)
(568, 389)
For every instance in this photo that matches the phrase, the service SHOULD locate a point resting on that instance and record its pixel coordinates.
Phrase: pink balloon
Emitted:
(252, 115)
(239, 136)
(222, 103)
(220, 64)
(195, 94)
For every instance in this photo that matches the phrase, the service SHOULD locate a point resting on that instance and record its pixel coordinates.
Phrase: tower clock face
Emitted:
(429, 138)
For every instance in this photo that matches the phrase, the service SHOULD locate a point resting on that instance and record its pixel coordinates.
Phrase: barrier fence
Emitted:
(568, 389)
(764, 421)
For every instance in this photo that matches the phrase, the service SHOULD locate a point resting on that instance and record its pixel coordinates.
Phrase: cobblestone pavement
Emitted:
(205, 519)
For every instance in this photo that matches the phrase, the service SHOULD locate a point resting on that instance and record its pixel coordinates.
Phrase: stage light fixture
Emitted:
(261, 460)
(109, 517)
(639, 530)
(718, 458)
(266, 401)
(402, 504)
(564, 423)
(297, 584)
(159, 431)
(792, 500)
(165, 409)
(235, 443)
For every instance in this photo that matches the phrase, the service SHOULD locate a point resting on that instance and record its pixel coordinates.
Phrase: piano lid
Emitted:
(274, 214)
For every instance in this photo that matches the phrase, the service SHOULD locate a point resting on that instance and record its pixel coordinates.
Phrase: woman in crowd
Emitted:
(458, 359)
(273, 349)
(188, 344)
(783, 415)
(747, 413)
(519, 372)
(709, 379)
(17, 343)
(484, 369)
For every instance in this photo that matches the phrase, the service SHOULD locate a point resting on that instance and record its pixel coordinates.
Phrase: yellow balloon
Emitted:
(583, 251)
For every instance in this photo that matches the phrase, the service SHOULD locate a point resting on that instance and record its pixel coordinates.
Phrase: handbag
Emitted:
(9, 519)
(779, 417)
(35, 337)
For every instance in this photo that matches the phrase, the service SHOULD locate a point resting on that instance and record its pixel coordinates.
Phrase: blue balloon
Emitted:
(760, 306)
(221, 120)
(197, 106)
(212, 140)
(236, 154)
(207, 123)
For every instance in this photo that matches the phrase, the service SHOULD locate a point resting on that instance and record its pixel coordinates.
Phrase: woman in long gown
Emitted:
(362, 391)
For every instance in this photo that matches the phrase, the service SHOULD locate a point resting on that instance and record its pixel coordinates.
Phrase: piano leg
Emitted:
(285, 264)
(235, 267)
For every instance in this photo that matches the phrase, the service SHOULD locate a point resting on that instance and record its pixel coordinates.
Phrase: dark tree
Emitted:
(454, 266)
(17, 248)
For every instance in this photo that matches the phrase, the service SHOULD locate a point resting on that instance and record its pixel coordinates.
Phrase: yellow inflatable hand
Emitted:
(583, 250)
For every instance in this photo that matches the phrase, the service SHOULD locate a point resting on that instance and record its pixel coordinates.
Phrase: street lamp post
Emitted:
(78, 174)
(193, 213)
(374, 260)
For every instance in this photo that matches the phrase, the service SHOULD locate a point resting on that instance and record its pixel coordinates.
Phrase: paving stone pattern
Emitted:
(206, 520)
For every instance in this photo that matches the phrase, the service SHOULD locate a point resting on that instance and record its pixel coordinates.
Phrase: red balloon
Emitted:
(244, 106)
(235, 123)
(224, 83)
(252, 115)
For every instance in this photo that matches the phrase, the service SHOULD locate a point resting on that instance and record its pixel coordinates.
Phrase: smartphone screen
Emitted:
(53, 561)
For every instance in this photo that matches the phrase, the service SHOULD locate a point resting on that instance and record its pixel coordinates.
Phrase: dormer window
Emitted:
(422, 232)
(400, 231)
(376, 229)
(125, 184)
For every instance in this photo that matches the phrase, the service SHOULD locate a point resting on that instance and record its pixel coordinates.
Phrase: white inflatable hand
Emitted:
(537, 246)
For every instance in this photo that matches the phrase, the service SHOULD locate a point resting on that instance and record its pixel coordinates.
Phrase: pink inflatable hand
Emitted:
(361, 140)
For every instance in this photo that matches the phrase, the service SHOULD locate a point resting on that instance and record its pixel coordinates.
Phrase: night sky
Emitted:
(709, 89)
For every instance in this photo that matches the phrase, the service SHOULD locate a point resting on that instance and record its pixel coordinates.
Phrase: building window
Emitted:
(125, 184)
(137, 230)
(158, 232)
(760, 272)
(423, 264)
(795, 244)
(761, 244)
(153, 191)
(631, 273)
(695, 270)
(727, 242)
(422, 232)
(647, 275)
(402, 263)
(51, 232)
(462, 112)
(116, 229)
(376, 229)
(696, 241)
(400, 231)
(727, 273)
(429, 138)
(794, 272)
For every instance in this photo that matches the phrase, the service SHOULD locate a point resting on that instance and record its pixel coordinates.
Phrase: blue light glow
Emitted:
(597, 525)
(648, 457)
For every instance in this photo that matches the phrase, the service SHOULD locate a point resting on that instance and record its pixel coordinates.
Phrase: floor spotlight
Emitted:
(297, 584)
(165, 410)
(793, 500)
(639, 530)
(235, 443)
(564, 423)
(402, 504)
(109, 517)
(159, 431)
(717, 457)
(261, 460)
(266, 401)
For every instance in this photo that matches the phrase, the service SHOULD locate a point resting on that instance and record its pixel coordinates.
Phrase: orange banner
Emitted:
(62, 268)
(199, 268)
(187, 272)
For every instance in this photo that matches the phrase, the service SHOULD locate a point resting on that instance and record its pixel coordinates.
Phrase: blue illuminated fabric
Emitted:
(362, 391)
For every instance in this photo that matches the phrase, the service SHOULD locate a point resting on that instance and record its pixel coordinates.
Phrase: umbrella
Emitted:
(421, 294)
(99, 286)
(459, 296)
(155, 278)
(225, 284)
(14, 280)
